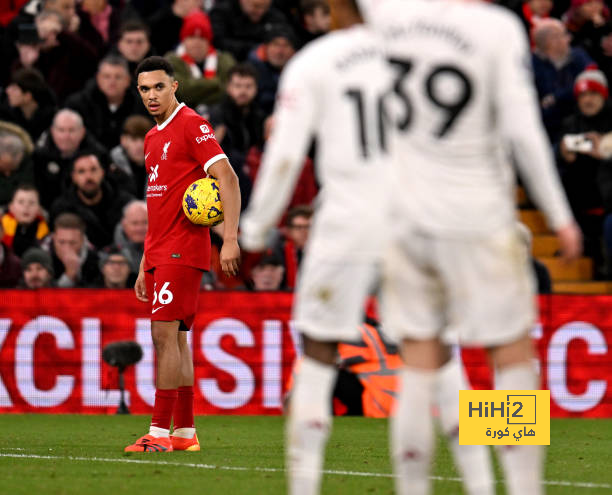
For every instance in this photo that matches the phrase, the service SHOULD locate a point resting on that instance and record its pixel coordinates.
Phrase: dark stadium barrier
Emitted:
(51, 343)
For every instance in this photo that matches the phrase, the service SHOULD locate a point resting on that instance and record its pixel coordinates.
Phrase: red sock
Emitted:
(183, 408)
(162, 411)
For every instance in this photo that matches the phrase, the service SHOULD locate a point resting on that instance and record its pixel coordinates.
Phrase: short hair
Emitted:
(69, 221)
(32, 81)
(83, 153)
(133, 25)
(116, 60)
(309, 6)
(133, 202)
(243, 69)
(12, 144)
(542, 30)
(72, 113)
(46, 13)
(155, 62)
(24, 186)
(136, 126)
(298, 211)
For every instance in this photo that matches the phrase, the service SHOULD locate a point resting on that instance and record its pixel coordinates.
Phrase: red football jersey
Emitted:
(177, 153)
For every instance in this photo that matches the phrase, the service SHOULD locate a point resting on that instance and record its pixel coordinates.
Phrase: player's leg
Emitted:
(523, 465)
(329, 308)
(310, 416)
(473, 461)
(164, 335)
(412, 306)
(498, 316)
(184, 434)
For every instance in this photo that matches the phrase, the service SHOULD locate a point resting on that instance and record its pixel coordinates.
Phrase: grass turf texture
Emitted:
(581, 452)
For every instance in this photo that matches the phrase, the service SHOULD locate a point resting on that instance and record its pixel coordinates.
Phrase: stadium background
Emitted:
(51, 343)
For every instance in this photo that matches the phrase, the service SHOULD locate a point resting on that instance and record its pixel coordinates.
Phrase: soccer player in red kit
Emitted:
(180, 149)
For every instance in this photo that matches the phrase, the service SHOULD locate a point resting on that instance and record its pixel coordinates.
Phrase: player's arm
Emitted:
(140, 287)
(229, 190)
(521, 126)
(294, 117)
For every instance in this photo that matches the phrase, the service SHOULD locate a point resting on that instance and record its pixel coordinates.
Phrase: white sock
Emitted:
(184, 432)
(159, 432)
(412, 432)
(523, 464)
(473, 461)
(308, 425)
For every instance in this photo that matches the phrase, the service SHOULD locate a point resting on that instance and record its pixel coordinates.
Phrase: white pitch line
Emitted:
(576, 484)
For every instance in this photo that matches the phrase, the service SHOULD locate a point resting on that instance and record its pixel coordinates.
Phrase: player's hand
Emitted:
(140, 287)
(230, 257)
(570, 239)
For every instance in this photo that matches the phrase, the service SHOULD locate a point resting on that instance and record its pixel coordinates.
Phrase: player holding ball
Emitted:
(179, 150)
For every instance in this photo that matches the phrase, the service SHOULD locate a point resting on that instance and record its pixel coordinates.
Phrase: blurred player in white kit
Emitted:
(332, 90)
(466, 100)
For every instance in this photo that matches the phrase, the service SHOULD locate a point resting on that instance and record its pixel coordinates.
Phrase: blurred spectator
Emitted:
(268, 273)
(306, 187)
(134, 44)
(37, 267)
(114, 270)
(103, 17)
(75, 264)
(30, 102)
(316, 19)
(56, 149)
(586, 174)
(531, 12)
(93, 199)
(166, 24)
(65, 60)
(201, 70)
(127, 168)
(269, 59)
(290, 247)
(241, 25)
(238, 122)
(15, 160)
(583, 21)
(130, 233)
(555, 66)
(24, 226)
(107, 101)
(10, 266)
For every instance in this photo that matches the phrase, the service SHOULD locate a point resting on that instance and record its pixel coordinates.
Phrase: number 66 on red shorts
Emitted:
(173, 291)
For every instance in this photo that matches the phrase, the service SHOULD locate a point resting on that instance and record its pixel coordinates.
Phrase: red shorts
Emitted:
(173, 291)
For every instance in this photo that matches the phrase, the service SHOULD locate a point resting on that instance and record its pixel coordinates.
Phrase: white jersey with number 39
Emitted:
(465, 103)
(332, 91)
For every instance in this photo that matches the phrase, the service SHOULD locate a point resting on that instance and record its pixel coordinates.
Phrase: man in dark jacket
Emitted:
(93, 199)
(238, 122)
(241, 25)
(107, 101)
(55, 151)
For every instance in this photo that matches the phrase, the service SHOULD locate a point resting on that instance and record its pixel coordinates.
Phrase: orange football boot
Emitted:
(149, 443)
(191, 444)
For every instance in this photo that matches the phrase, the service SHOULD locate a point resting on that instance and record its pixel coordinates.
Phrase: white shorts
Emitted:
(479, 291)
(330, 299)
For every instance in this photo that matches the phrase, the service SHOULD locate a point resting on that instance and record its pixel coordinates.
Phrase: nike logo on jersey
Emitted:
(156, 309)
(154, 173)
(165, 153)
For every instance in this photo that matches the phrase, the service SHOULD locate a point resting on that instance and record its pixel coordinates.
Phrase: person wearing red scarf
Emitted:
(200, 69)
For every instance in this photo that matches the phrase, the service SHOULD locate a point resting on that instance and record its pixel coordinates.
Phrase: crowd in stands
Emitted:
(72, 125)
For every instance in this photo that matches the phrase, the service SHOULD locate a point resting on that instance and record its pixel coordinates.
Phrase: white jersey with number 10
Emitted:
(332, 91)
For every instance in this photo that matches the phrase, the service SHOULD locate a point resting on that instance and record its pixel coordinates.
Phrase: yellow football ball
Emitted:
(202, 202)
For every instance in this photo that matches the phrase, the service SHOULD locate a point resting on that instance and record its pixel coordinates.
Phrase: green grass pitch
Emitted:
(66, 454)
